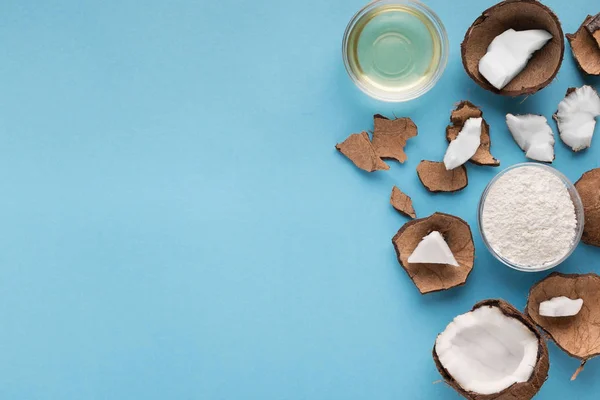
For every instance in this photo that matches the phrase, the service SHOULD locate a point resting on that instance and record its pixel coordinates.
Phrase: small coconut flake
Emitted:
(433, 249)
(509, 53)
(436, 178)
(593, 27)
(585, 48)
(533, 135)
(578, 335)
(402, 203)
(433, 277)
(390, 136)
(560, 306)
(588, 187)
(357, 147)
(465, 145)
(492, 352)
(463, 111)
(576, 117)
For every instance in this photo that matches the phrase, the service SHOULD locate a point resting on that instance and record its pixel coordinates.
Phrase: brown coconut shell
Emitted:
(518, 15)
(465, 110)
(588, 187)
(402, 203)
(578, 335)
(518, 391)
(430, 278)
(585, 48)
(358, 148)
(436, 178)
(593, 27)
(390, 136)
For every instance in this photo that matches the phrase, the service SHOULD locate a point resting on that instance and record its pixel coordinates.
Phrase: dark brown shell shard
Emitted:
(585, 48)
(402, 203)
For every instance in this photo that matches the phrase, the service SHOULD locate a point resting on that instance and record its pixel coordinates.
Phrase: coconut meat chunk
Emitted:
(576, 117)
(461, 149)
(485, 351)
(509, 53)
(560, 306)
(433, 249)
(533, 135)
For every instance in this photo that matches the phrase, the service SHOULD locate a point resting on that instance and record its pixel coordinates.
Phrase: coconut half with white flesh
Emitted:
(579, 334)
(533, 135)
(576, 117)
(492, 352)
(513, 16)
(560, 306)
(461, 149)
(433, 249)
(509, 53)
(430, 276)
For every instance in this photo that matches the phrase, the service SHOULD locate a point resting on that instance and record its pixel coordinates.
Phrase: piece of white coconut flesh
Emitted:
(533, 135)
(576, 117)
(465, 145)
(433, 249)
(561, 306)
(509, 53)
(486, 351)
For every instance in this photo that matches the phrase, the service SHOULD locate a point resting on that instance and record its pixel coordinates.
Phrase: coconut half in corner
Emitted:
(492, 352)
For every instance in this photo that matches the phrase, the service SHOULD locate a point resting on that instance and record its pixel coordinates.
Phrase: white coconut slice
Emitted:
(560, 306)
(433, 249)
(576, 117)
(509, 53)
(533, 135)
(465, 145)
(485, 351)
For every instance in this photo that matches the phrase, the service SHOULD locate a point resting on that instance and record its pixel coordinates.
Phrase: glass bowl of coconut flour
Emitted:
(530, 217)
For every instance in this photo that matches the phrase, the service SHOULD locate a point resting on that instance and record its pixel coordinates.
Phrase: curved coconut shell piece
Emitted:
(436, 178)
(390, 136)
(585, 48)
(588, 187)
(593, 27)
(465, 110)
(518, 391)
(518, 15)
(436, 277)
(402, 203)
(358, 148)
(578, 335)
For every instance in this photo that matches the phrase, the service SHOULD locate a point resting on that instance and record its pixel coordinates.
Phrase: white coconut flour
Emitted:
(529, 218)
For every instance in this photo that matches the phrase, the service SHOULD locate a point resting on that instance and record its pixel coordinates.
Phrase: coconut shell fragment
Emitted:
(390, 136)
(357, 147)
(402, 203)
(518, 15)
(588, 187)
(593, 27)
(436, 178)
(585, 48)
(578, 335)
(465, 110)
(518, 391)
(436, 277)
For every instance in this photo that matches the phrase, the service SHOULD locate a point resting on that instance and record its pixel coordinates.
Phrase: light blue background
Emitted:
(175, 222)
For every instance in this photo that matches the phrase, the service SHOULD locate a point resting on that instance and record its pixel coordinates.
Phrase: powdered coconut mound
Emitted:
(529, 218)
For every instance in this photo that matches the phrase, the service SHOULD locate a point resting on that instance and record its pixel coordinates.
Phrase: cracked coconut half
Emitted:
(436, 178)
(533, 135)
(463, 111)
(514, 48)
(584, 46)
(492, 352)
(440, 272)
(578, 334)
(576, 117)
(588, 187)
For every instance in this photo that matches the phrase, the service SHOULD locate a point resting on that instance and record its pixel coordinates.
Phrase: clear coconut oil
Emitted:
(393, 48)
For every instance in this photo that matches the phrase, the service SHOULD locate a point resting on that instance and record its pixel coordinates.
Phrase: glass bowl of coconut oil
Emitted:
(395, 50)
(530, 217)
